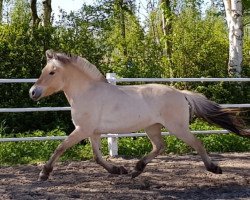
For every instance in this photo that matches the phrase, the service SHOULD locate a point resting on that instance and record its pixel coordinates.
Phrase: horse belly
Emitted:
(126, 121)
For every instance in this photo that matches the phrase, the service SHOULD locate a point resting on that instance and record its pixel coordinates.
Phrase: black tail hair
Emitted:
(214, 113)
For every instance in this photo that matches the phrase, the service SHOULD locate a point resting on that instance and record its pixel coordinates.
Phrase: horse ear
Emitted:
(49, 54)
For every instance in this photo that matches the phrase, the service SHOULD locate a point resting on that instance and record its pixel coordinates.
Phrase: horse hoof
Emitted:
(123, 170)
(135, 173)
(118, 170)
(43, 177)
(215, 169)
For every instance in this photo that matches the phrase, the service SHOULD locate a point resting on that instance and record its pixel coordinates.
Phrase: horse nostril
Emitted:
(33, 93)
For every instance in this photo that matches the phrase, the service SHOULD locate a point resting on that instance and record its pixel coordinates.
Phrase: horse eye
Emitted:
(52, 73)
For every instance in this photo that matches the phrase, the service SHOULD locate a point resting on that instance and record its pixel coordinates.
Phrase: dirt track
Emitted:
(167, 177)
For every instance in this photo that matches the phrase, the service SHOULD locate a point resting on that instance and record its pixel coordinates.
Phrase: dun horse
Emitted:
(99, 107)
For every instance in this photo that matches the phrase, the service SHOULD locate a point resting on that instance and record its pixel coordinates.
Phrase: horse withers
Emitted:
(99, 107)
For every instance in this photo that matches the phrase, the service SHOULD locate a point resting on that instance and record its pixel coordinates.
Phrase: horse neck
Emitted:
(76, 83)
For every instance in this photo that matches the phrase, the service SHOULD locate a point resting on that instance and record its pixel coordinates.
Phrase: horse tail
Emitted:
(214, 113)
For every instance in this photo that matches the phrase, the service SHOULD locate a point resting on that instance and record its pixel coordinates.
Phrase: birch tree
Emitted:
(233, 10)
(1, 11)
(47, 10)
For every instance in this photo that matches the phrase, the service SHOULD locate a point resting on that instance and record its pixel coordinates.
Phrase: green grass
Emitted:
(39, 151)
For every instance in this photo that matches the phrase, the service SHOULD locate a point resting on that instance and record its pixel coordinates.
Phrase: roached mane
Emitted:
(81, 63)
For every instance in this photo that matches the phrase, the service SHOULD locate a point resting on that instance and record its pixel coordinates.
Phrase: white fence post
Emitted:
(112, 141)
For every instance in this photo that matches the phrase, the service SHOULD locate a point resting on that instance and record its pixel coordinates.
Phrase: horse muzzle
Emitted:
(35, 92)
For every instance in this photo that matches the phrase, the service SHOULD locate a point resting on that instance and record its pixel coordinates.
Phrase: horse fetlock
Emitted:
(214, 169)
(47, 169)
(44, 174)
(118, 170)
(135, 173)
(140, 165)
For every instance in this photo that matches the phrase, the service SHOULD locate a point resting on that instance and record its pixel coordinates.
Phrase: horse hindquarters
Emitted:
(177, 122)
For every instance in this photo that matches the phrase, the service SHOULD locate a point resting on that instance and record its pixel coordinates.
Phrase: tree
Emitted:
(35, 18)
(1, 11)
(121, 8)
(167, 18)
(47, 10)
(234, 21)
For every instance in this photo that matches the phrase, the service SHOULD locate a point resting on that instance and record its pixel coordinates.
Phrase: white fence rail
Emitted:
(113, 138)
(111, 77)
(109, 135)
(43, 109)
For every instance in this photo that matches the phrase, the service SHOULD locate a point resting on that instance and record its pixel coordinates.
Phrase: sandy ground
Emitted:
(167, 177)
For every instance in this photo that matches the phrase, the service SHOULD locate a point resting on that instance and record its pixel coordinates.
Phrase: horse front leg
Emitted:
(95, 142)
(154, 134)
(75, 137)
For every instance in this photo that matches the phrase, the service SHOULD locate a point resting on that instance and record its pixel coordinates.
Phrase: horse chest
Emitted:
(81, 118)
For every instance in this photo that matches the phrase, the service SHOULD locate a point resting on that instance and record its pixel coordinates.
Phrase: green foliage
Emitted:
(134, 146)
(246, 5)
(197, 42)
(225, 143)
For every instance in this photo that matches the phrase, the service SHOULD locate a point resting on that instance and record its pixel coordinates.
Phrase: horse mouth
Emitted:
(35, 98)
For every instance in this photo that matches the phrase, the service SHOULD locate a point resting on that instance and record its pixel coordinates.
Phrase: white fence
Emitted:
(113, 138)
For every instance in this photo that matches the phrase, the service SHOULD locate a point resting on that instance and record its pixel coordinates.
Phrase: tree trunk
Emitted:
(47, 10)
(123, 27)
(234, 21)
(1, 11)
(35, 18)
(167, 30)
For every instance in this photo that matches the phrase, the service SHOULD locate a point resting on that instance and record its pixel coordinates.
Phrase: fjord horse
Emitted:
(99, 107)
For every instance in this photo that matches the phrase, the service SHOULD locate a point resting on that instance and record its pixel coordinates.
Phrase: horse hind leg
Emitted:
(183, 133)
(154, 134)
(95, 143)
